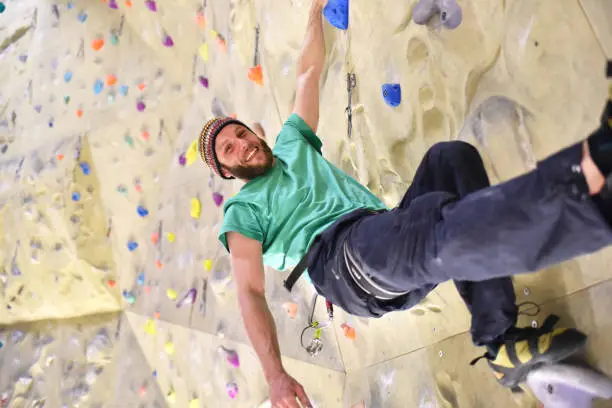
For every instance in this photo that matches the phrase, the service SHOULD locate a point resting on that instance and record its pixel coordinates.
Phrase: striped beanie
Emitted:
(206, 144)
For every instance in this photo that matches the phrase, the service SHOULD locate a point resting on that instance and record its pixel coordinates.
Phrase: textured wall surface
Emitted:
(114, 291)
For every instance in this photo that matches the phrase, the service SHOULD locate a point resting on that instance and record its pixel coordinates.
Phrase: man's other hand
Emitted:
(284, 390)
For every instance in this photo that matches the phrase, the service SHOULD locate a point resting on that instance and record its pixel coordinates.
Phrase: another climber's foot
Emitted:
(524, 349)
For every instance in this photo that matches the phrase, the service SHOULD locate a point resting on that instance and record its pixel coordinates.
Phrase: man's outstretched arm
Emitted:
(310, 66)
(247, 267)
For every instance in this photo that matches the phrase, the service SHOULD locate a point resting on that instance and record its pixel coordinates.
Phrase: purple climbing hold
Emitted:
(203, 81)
(188, 299)
(151, 5)
(140, 105)
(112, 4)
(217, 198)
(182, 159)
(232, 390)
(167, 41)
(231, 356)
(38, 108)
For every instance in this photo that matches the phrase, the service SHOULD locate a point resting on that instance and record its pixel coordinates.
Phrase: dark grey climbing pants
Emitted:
(451, 225)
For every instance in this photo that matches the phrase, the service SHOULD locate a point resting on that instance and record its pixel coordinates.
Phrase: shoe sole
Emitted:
(519, 375)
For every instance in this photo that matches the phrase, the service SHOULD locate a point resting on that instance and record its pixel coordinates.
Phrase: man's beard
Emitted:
(250, 172)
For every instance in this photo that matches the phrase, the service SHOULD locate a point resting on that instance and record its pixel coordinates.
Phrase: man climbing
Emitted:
(370, 260)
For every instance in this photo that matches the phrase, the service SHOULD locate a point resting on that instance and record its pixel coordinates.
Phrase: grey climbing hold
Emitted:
(450, 12)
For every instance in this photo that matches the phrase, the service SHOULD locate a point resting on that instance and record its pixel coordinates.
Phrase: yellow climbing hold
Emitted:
(208, 264)
(149, 327)
(192, 152)
(204, 51)
(213, 33)
(171, 396)
(196, 208)
(194, 403)
(169, 348)
(171, 293)
(170, 236)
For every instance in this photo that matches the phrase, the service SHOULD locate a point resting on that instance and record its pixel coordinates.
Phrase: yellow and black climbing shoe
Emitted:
(524, 349)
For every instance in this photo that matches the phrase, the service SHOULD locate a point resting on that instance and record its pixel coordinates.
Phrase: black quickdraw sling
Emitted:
(315, 345)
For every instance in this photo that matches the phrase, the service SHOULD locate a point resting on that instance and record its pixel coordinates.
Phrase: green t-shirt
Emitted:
(297, 199)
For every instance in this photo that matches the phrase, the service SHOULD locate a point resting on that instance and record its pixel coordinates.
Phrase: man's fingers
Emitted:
(301, 394)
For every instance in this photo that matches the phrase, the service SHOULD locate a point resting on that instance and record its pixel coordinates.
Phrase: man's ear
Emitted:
(226, 172)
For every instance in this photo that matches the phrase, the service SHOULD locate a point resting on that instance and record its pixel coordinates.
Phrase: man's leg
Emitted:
(456, 167)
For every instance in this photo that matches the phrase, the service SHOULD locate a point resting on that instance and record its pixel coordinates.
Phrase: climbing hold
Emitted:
(170, 236)
(194, 403)
(114, 39)
(337, 13)
(231, 356)
(128, 3)
(167, 41)
(154, 373)
(151, 5)
(450, 12)
(141, 86)
(66, 99)
(192, 153)
(171, 293)
(349, 332)
(121, 189)
(111, 283)
(203, 81)
(132, 245)
(150, 329)
(60, 156)
(208, 264)
(217, 198)
(169, 348)
(143, 212)
(196, 208)
(182, 160)
(76, 196)
(112, 4)
(140, 105)
(155, 238)
(203, 50)
(97, 44)
(142, 391)
(98, 86)
(85, 168)
(67, 76)
(129, 296)
(256, 74)
(201, 20)
(79, 113)
(123, 89)
(232, 390)
(111, 79)
(2, 7)
(156, 314)
(129, 140)
(82, 16)
(158, 264)
(171, 396)
(392, 94)
(140, 279)
(291, 309)
(188, 298)
(221, 42)
(145, 135)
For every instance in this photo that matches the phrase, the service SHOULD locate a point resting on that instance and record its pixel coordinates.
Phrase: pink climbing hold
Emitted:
(203, 81)
(113, 4)
(188, 299)
(231, 356)
(182, 159)
(217, 198)
(232, 390)
(140, 105)
(151, 5)
(167, 41)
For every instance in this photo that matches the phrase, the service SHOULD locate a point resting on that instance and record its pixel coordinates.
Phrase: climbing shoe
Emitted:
(524, 349)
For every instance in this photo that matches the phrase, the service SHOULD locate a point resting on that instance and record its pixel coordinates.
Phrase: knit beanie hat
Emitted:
(206, 144)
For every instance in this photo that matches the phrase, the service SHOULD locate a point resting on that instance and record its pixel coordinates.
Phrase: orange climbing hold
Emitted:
(155, 237)
(128, 3)
(138, 188)
(111, 80)
(233, 115)
(147, 289)
(256, 74)
(349, 332)
(60, 157)
(221, 42)
(111, 283)
(141, 86)
(159, 264)
(97, 44)
(201, 20)
(291, 309)
(145, 135)
(157, 315)
(79, 113)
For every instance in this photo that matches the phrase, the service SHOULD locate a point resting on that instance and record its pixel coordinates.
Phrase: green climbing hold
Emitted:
(66, 99)
(114, 39)
(2, 7)
(129, 140)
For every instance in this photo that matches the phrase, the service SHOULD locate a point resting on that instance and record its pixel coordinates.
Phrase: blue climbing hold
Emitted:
(123, 89)
(2, 7)
(85, 168)
(98, 86)
(392, 93)
(143, 212)
(337, 13)
(132, 245)
(82, 17)
(154, 373)
(140, 279)
(67, 76)
(76, 196)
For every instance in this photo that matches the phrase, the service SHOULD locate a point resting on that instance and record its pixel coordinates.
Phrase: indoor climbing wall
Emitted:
(114, 290)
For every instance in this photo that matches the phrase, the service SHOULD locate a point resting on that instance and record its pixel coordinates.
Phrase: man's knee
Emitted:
(453, 149)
